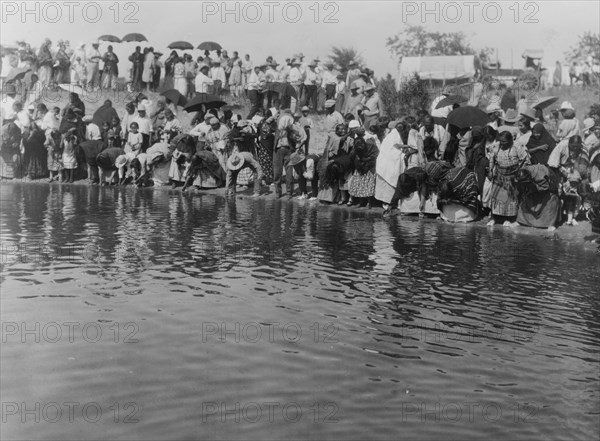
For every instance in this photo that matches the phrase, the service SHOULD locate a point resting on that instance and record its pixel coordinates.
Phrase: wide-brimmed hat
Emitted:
(312, 64)
(300, 55)
(296, 158)
(493, 108)
(353, 124)
(305, 109)
(354, 86)
(121, 161)
(87, 118)
(235, 162)
(588, 123)
(213, 121)
(511, 115)
(529, 113)
(566, 105)
(330, 103)
(203, 66)
(296, 62)
(141, 107)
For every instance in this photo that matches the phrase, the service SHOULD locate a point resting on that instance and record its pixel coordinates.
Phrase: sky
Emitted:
(284, 28)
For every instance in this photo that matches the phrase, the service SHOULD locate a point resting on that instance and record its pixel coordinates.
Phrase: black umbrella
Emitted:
(181, 45)
(203, 101)
(450, 100)
(111, 38)
(175, 96)
(545, 101)
(209, 46)
(16, 73)
(134, 37)
(468, 116)
(283, 89)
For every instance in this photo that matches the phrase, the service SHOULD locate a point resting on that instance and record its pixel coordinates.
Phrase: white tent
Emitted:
(438, 68)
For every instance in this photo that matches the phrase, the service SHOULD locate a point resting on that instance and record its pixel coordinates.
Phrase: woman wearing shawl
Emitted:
(169, 70)
(540, 144)
(10, 151)
(45, 62)
(476, 158)
(505, 164)
(412, 189)
(105, 114)
(362, 182)
(458, 196)
(74, 103)
(540, 205)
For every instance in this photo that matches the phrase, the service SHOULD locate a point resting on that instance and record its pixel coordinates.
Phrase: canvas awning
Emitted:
(438, 68)
(533, 53)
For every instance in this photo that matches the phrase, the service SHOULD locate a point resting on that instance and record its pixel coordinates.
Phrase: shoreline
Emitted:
(580, 235)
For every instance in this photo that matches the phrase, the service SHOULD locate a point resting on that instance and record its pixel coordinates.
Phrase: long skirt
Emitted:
(384, 192)
(540, 210)
(10, 165)
(264, 156)
(328, 194)
(412, 205)
(45, 75)
(37, 166)
(503, 202)
(362, 186)
(180, 83)
(160, 173)
(457, 213)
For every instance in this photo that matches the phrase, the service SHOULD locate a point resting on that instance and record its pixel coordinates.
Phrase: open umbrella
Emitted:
(111, 38)
(450, 100)
(175, 96)
(16, 73)
(283, 89)
(204, 101)
(72, 88)
(544, 101)
(468, 116)
(134, 37)
(209, 46)
(182, 45)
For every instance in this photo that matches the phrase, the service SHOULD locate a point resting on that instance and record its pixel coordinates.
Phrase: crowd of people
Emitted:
(312, 82)
(521, 167)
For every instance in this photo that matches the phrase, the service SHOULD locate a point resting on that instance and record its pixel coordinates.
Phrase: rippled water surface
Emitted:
(166, 316)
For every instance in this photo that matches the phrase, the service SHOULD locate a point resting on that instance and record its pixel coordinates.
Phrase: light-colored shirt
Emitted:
(311, 78)
(144, 124)
(295, 76)
(218, 74)
(202, 82)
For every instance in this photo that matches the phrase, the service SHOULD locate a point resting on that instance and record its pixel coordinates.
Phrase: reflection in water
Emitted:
(396, 324)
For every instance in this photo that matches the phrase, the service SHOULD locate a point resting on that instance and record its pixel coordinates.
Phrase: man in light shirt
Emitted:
(203, 82)
(256, 83)
(93, 58)
(432, 130)
(217, 75)
(329, 82)
(311, 83)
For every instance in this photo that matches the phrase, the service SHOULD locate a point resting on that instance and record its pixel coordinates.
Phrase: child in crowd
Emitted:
(134, 139)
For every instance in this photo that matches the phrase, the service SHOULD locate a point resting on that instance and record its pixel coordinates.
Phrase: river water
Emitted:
(141, 314)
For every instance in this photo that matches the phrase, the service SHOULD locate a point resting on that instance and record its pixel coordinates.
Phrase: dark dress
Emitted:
(264, 152)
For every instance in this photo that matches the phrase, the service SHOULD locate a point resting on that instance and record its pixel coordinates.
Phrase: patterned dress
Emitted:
(264, 154)
(504, 200)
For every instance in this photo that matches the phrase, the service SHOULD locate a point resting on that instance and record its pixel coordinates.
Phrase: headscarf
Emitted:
(540, 157)
(105, 113)
(366, 153)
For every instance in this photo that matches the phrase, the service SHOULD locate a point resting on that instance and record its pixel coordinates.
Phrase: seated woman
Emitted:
(539, 204)
(458, 196)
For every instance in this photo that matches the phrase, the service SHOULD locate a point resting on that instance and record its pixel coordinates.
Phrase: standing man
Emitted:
(93, 70)
(373, 105)
(295, 79)
(282, 153)
(256, 82)
(145, 126)
(310, 86)
(203, 83)
(137, 67)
